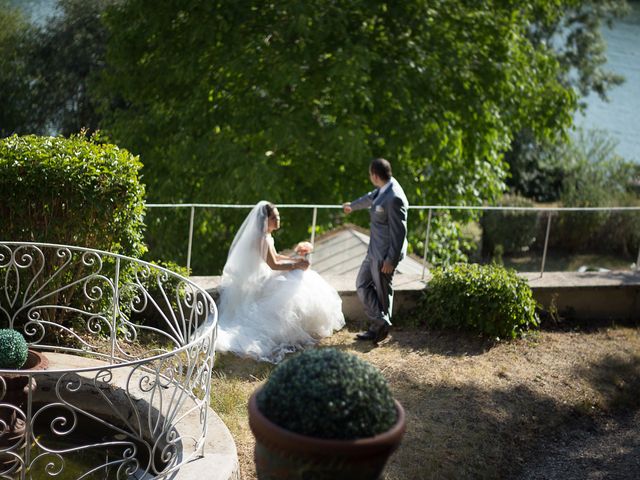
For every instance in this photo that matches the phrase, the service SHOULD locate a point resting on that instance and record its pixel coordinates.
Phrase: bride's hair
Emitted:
(269, 208)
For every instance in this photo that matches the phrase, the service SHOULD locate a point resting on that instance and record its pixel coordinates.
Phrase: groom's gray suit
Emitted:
(388, 210)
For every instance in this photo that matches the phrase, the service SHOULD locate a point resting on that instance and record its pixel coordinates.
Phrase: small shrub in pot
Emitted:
(328, 394)
(13, 349)
(325, 414)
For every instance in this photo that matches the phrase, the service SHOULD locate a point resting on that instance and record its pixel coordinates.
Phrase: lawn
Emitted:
(474, 409)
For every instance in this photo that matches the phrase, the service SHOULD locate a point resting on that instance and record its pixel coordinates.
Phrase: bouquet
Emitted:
(303, 249)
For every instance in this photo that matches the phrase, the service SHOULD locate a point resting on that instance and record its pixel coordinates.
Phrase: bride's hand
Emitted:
(301, 264)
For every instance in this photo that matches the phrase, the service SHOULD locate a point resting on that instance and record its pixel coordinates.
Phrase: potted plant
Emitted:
(324, 414)
(15, 355)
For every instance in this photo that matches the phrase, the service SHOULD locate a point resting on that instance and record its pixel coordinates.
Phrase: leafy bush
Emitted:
(514, 230)
(595, 177)
(450, 240)
(536, 170)
(487, 299)
(328, 394)
(72, 191)
(13, 349)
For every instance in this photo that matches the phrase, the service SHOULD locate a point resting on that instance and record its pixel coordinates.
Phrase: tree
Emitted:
(236, 101)
(579, 44)
(65, 53)
(13, 82)
(580, 49)
(47, 69)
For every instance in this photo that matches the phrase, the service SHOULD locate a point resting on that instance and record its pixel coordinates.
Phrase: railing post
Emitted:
(426, 245)
(313, 232)
(193, 209)
(28, 428)
(546, 244)
(116, 307)
(313, 225)
(638, 260)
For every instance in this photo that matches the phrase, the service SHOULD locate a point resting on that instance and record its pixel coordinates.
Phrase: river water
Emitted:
(621, 115)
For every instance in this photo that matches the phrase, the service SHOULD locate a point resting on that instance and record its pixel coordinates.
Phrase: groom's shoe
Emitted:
(368, 335)
(381, 334)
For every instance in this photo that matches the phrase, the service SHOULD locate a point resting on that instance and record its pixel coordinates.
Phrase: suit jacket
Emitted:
(388, 212)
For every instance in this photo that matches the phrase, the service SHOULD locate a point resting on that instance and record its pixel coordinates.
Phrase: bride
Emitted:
(271, 304)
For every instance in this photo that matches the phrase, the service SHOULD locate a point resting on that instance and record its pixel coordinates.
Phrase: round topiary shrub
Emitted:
(487, 299)
(328, 394)
(13, 349)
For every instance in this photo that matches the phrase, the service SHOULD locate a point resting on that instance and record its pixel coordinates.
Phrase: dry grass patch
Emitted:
(474, 410)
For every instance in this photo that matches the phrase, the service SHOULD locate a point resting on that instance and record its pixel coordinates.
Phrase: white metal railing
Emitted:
(430, 208)
(133, 409)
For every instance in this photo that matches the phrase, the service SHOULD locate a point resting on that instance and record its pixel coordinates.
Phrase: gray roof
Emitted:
(341, 251)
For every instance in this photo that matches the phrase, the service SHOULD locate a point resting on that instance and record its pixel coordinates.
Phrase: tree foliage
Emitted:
(50, 67)
(13, 81)
(578, 41)
(236, 101)
(61, 78)
(580, 48)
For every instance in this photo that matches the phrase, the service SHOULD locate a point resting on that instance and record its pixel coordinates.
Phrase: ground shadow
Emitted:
(465, 431)
(617, 379)
(611, 447)
(424, 341)
(554, 323)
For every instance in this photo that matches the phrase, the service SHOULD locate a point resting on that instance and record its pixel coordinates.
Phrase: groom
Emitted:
(387, 246)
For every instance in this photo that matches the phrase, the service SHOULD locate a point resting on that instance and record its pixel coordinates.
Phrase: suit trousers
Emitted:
(375, 291)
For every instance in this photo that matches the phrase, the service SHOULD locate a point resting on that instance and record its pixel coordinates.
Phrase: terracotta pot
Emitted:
(17, 395)
(281, 454)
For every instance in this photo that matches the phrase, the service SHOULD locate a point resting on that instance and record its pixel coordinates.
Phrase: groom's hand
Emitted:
(346, 207)
(387, 268)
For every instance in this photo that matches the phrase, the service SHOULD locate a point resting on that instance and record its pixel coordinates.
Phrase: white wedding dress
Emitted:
(265, 314)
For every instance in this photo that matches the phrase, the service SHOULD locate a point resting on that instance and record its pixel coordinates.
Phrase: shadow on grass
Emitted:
(569, 324)
(472, 432)
(611, 449)
(617, 379)
(440, 342)
(240, 368)
(469, 432)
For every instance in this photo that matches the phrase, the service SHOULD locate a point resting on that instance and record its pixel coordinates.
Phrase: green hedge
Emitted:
(73, 191)
(487, 299)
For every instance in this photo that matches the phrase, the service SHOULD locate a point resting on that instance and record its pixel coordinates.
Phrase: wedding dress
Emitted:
(265, 314)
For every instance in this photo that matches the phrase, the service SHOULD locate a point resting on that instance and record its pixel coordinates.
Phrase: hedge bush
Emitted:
(596, 176)
(74, 191)
(487, 299)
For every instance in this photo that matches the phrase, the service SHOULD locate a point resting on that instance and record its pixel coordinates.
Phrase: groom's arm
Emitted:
(397, 218)
(364, 201)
